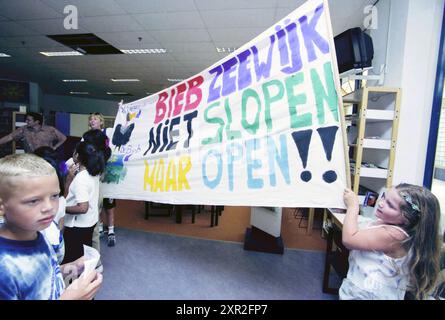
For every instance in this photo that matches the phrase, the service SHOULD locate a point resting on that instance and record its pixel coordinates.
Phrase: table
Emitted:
(336, 253)
(310, 220)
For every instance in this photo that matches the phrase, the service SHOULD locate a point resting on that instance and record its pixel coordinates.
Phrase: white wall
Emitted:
(407, 38)
(78, 124)
(79, 105)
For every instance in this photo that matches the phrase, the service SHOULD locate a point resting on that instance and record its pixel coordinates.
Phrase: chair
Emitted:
(215, 212)
(337, 257)
(306, 214)
(301, 214)
(154, 205)
(179, 209)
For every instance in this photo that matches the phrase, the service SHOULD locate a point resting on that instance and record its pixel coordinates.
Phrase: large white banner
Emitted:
(261, 127)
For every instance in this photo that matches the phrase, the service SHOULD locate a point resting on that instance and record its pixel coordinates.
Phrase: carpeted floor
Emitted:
(157, 266)
(232, 225)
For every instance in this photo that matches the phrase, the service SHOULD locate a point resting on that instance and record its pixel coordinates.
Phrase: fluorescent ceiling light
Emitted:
(75, 80)
(82, 51)
(124, 80)
(4, 55)
(60, 53)
(175, 80)
(79, 92)
(222, 49)
(117, 93)
(139, 51)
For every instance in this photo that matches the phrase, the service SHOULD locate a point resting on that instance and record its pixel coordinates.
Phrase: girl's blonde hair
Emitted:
(422, 212)
(100, 116)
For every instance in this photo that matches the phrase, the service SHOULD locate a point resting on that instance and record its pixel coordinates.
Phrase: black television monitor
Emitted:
(354, 50)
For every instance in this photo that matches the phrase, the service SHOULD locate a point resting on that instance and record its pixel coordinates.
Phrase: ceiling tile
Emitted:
(280, 13)
(204, 5)
(180, 47)
(199, 64)
(11, 29)
(170, 21)
(141, 6)
(51, 26)
(110, 24)
(29, 9)
(292, 4)
(209, 57)
(129, 40)
(170, 62)
(238, 35)
(87, 8)
(29, 42)
(242, 18)
(157, 59)
(192, 35)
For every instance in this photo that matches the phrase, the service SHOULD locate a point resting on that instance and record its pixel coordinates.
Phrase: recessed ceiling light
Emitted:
(75, 80)
(223, 49)
(175, 80)
(140, 51)
(79, 92)
(60, 53)
(118, 93)
(82, 51)
(124, 80)
(4, 55)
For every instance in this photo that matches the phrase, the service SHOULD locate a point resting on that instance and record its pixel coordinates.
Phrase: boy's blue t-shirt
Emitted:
(29, 270)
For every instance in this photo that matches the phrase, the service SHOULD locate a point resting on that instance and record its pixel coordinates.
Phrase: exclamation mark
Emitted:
(302, 140)
(327, 136)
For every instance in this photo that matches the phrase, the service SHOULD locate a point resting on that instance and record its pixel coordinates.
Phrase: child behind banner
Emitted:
(82, 199)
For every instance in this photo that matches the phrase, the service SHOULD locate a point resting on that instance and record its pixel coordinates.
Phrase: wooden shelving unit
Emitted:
(375, 113)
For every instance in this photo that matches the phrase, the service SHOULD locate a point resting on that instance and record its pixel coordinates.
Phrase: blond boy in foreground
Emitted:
(29, 192)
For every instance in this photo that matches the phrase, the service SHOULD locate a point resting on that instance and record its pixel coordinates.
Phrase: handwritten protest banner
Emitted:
(261, 127)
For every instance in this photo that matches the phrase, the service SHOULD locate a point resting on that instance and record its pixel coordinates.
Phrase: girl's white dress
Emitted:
(373, 275)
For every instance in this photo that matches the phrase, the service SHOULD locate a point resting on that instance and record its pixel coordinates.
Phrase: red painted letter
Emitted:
(161, 107)
(194, 90)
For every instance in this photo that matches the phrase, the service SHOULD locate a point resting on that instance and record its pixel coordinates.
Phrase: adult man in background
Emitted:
(35, 135)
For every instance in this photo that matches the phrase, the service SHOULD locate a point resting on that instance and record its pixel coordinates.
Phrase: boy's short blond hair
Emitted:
(100, 116)
(22, 166)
